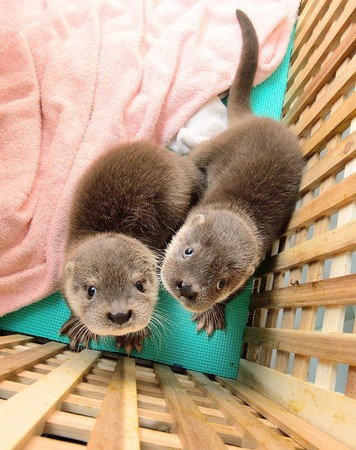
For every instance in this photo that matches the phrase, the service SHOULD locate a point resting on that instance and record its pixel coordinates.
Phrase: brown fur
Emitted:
(125, 208)
(253, 172)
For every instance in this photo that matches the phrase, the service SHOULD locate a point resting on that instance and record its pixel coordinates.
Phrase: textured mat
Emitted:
(175, 343)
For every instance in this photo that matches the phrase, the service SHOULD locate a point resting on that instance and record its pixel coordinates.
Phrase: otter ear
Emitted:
(250, 270)
(198, 219)
(69, 268)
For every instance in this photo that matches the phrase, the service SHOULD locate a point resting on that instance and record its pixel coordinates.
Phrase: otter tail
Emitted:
(239, 96)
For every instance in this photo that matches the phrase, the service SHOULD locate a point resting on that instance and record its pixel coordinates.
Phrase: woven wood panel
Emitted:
(65, 400)
(303, 307)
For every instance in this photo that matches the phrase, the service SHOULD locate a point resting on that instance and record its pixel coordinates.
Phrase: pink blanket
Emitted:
(79, 76)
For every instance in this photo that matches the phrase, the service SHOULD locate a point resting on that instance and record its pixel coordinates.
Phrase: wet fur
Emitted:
(253, 172)
(125, 208)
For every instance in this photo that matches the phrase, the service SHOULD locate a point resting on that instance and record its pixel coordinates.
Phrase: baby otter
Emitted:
(125, 208)
(253, 172)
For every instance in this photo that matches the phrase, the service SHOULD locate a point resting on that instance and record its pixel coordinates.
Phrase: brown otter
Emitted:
(253, 173)
(125, 208)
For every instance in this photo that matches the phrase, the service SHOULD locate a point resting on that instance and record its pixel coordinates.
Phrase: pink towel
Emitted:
(78, 77)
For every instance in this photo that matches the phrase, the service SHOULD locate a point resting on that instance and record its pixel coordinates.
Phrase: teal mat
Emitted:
(177, 343)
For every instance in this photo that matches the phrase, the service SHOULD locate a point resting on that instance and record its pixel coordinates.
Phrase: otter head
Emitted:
(209, 259)
(110, 283)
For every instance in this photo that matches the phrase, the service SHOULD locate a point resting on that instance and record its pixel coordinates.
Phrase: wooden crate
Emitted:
(300, 345)
(52, 398)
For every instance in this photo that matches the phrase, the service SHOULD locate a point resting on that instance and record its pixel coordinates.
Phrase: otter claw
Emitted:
(132, 340)
(211, 320)
(77, 333)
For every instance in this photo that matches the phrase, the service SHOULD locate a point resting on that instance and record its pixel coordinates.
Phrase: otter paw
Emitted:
(211, 320)
(77, 333)
(132, 340)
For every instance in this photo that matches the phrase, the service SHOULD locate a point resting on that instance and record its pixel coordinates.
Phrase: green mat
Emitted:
(177, 343)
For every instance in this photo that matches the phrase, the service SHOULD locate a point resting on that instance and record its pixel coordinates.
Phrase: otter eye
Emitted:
(91, 291)
(221, 284)
(188, 251)
(139, 286)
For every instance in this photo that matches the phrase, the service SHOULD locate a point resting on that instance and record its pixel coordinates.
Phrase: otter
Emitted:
(253, 172)
(125, 208)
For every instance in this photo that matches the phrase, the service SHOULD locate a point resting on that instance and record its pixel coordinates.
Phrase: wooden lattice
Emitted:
(303, 307)
(51, 398)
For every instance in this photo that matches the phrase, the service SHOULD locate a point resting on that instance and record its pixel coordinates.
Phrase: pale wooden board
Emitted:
(69, 426)
(14, 339)
(337, 291)
(254, 433)
(341, 265)
(189, 422)
(322, 50)
(39, 400)
(335, 124)
(113, 430)
(157, 439)
(335, 241)
(326, 204)
(346, 47)
(14, 363)
(307, 20)
(42, 443)
(342, 84)
(332, 346)
(328, 411)
(334, 160)
(301, 431)
(326, 19)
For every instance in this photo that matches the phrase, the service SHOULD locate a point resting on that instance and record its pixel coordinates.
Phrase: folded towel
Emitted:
(208, 121)
(78, 77)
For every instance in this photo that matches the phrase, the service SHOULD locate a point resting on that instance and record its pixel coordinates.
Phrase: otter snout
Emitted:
(120, 318)
(186, 290)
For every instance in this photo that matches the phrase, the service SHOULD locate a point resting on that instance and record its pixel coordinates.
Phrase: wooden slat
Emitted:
(301, 431)
(308, 315)
(254, 432)
(339, 240)
(327, 16)
(335, 124)
(339, 347)
(10, 388)
(190, 423)
(158, 439)
(306, 23)
(345, 48)
(39, 400)
(14, 339)
(112, 430)
(330, 412)
(69, 426)
(342, 84)
(326, 204)
(12, 364)
(351, 378)
(42, 443)
(282, 356)
(334, 317)
(313, 65)
(335, 291)
(334, 160)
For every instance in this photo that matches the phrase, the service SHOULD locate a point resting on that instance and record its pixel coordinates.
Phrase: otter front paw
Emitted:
(211, 320)
(132, 340)
(77, 332)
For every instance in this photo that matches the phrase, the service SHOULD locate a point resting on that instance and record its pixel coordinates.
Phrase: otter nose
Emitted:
(186, 290)
(120, 318)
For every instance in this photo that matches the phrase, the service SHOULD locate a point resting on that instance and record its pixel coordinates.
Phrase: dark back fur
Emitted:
(138, 189)
(254, 166)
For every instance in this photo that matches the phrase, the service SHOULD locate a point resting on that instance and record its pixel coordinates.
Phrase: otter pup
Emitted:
(253, 172)
(125, 208)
